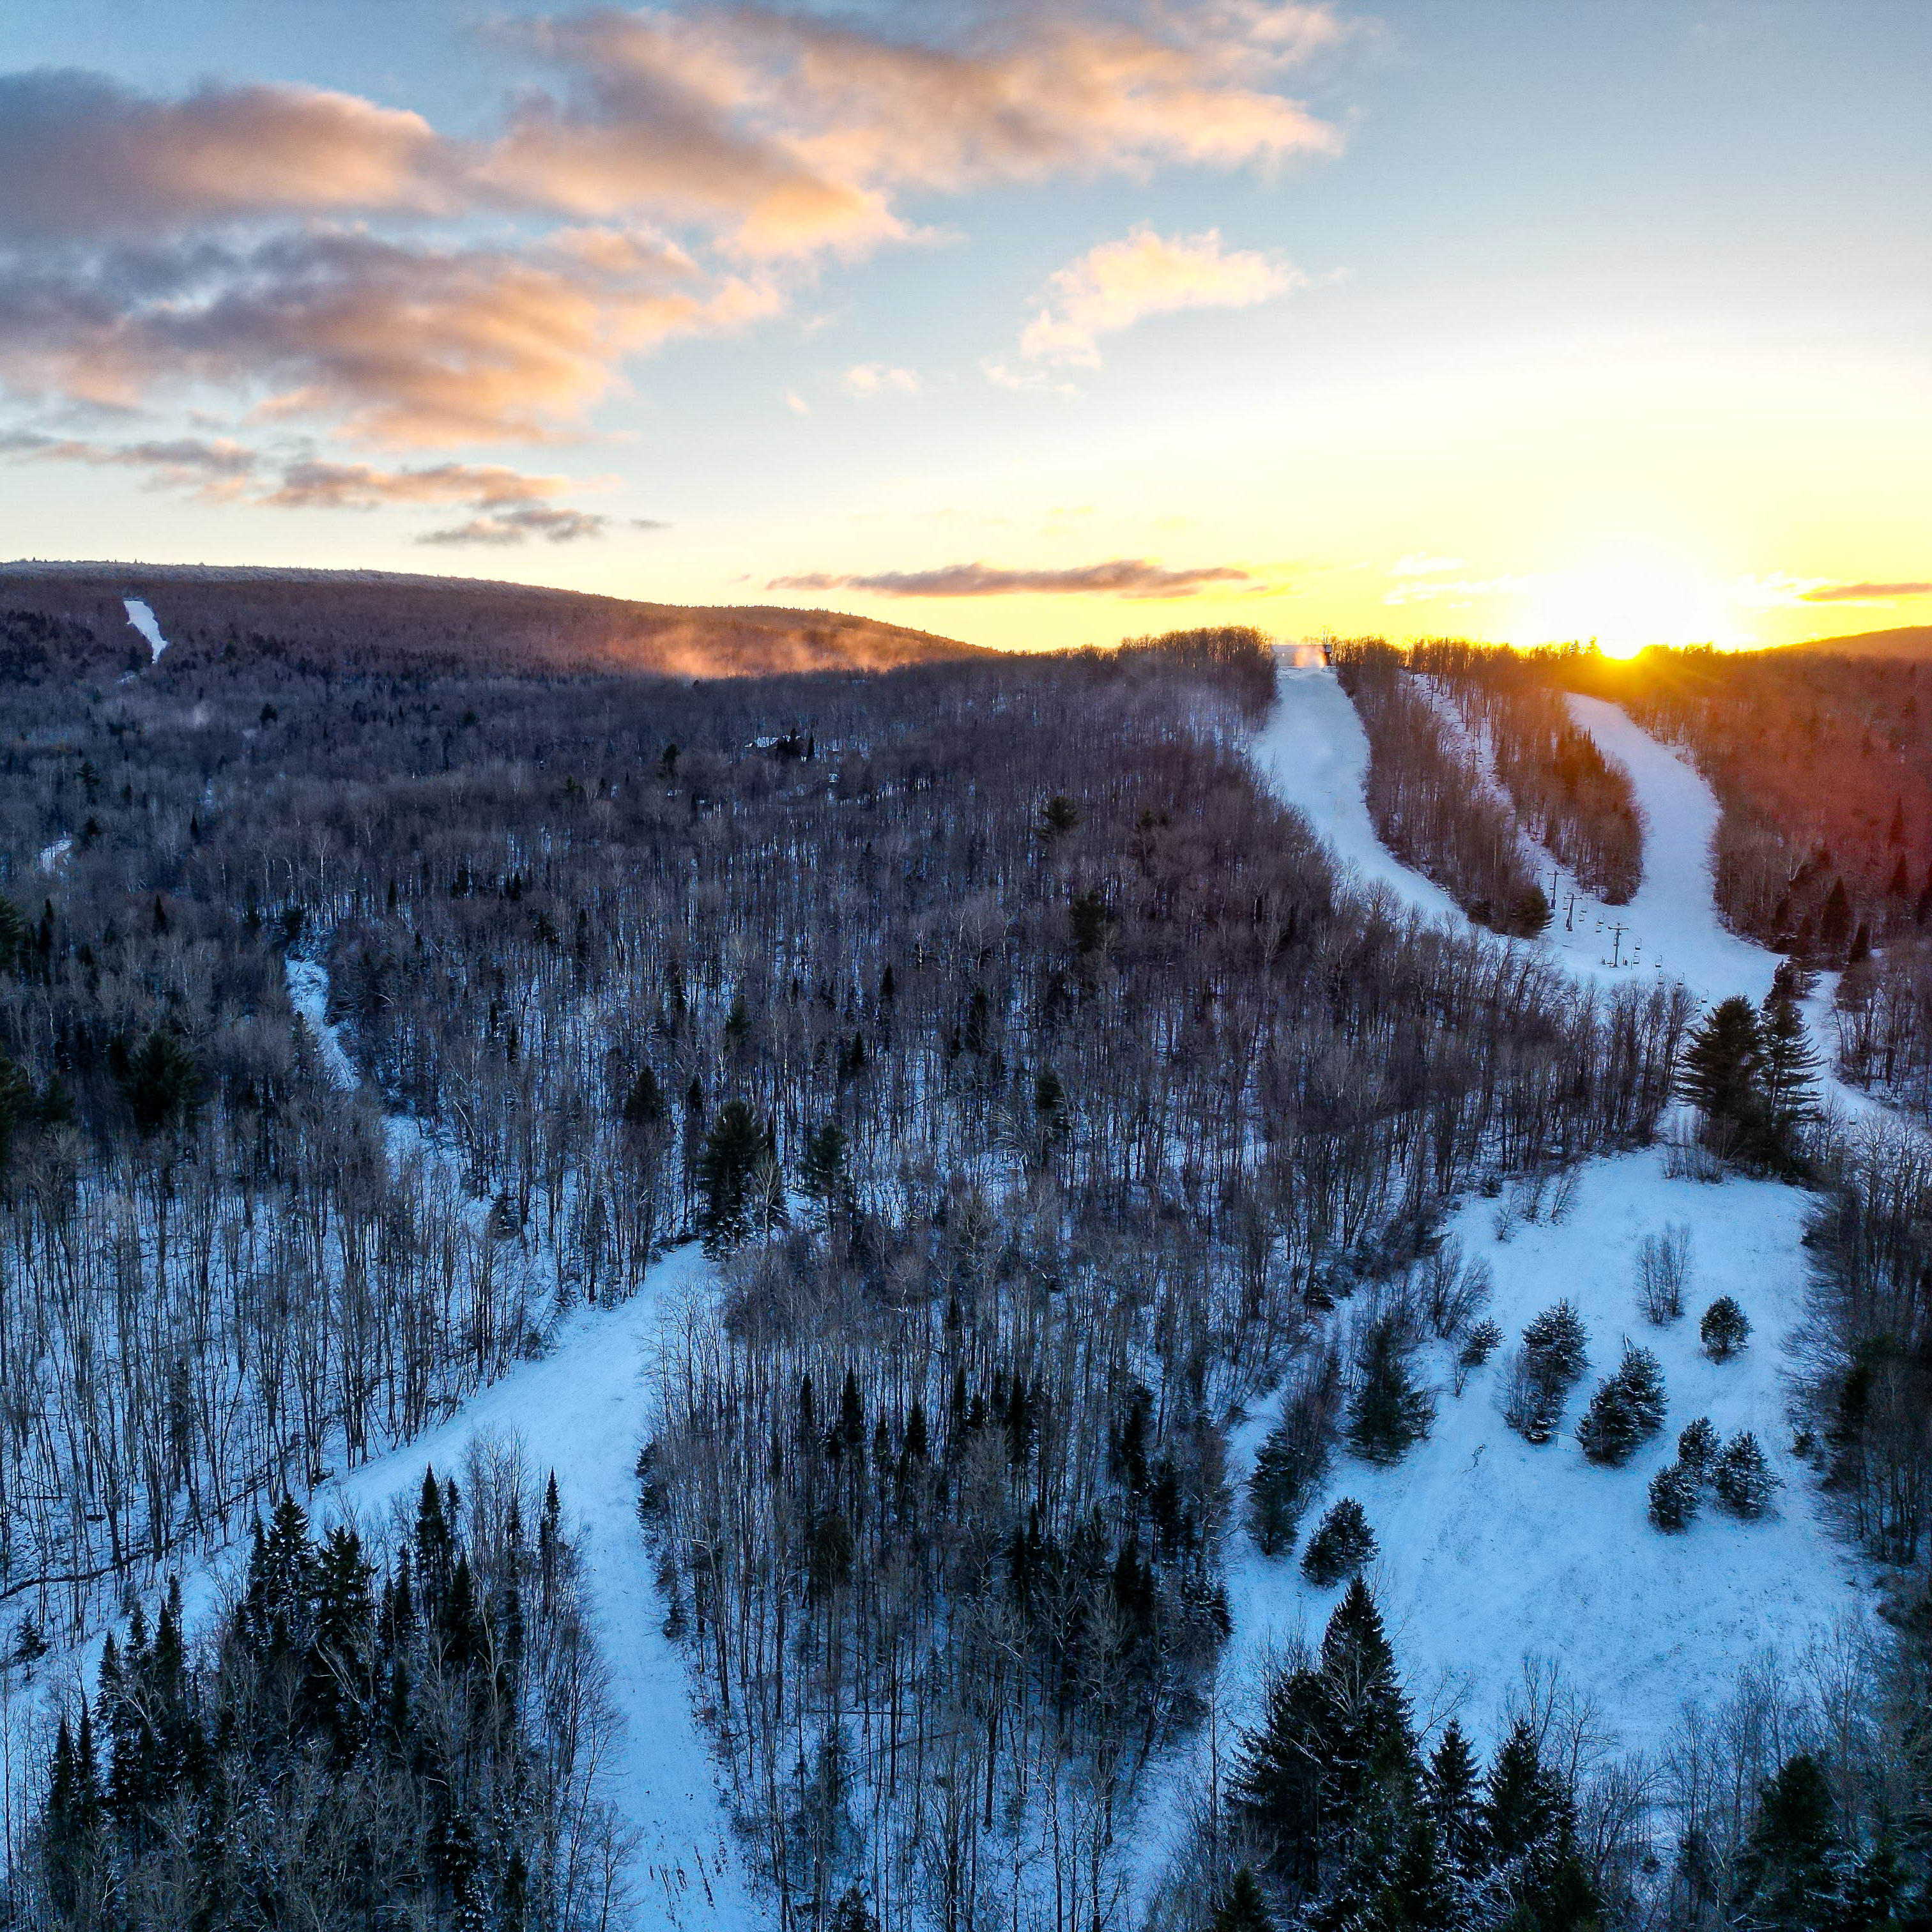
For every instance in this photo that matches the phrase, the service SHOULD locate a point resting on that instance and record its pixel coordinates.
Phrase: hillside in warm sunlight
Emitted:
(56, 618)
(1909, 640)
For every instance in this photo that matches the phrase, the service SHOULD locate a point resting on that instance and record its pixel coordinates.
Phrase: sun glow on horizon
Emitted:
(1625, 601)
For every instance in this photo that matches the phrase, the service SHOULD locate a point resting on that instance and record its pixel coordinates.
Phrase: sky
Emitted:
(1034, 326)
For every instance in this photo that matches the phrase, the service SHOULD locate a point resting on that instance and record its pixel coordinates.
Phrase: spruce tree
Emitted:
(1786, 1882)
(1720, 1070)
(1242, 1908)
(1452, 1796)
(733, 1150)
(1388, 1414)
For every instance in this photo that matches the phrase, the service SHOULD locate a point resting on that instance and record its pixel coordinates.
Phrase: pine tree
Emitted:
(1342, 1544)
(1697, 1447)
(823, 1177)
(1834, 923)
(1242, 1908)
(1532, 1820)
(1785, 1877)
(1388, 1414)
(1673, 1497)
(1627, 1410)
(1724, 1329)
(1742, 1477)
(1719, 1072)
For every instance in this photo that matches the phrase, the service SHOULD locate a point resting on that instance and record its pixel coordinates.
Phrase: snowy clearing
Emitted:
(580, 1411)
(1313, 755)
(1495, 1554)
(308, 994)
(53, 857)
(142, 620)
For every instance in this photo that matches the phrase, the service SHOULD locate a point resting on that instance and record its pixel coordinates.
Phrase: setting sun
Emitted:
(1625, 601)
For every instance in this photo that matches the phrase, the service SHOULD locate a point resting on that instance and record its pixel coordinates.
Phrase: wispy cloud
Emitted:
(315, 254)
(1121, 577)
(213, 469)
(1112, 287)
(1419, 563)
(876, 379)
(1866, 593)
(517, 526)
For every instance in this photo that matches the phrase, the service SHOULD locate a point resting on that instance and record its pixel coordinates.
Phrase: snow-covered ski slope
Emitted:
(580, 1412)
(1494, 1553)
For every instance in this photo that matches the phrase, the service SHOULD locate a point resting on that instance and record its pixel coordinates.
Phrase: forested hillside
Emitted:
(1074, 1076)
(59, 621)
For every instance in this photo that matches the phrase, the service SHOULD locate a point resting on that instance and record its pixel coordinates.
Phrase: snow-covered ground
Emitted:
(580, 1411)
(54, 857)
(308, 994)
(1312, 754)
(1494, 1554)
(142, 620)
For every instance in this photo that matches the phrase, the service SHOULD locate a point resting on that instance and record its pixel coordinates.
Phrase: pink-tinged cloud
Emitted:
(215, 470)
(1122, 576)
(793, 134)
(359, 486)
(1112, 287)
(84, 157)
(397, 343)
(1864, 593)
(516, 526)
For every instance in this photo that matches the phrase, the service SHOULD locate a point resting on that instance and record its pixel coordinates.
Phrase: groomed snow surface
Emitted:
(142, 620)
(1495, 1554)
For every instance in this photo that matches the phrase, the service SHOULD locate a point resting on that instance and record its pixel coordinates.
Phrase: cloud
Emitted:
(515, 527)
(1124, 577)
(358, 486)
(1113, 286)
(215, 469)
(792, 134)
(398, 343)
(1419, 563)
(1865, 593)
(797, 403)
(320, 256)
(84, 157)
(649, 523)
(511, 505)
(875, 379)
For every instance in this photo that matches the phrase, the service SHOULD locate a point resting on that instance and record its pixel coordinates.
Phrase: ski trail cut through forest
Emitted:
(1496, 1557)
(580, 1411)
(143, 619)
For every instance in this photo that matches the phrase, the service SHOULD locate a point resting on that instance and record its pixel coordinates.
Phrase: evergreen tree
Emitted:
(1388, 1414)
(1673, 1497)
(1786, 1882)
(1452, 1796)
(1721, 1059)
(1724, 1329)
(1242, 1908)
(1697, 1447)
(1834, 922)
(1627, 1410)
(1788, 1075)
(644, 1105)
(1531, 1820)
(823, 1177)
(1342, 1544)
(734, 1150)
(1742, 1477)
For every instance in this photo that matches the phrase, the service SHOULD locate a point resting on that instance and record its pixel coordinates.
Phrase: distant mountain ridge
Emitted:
(1909, 640)
(57, 617)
